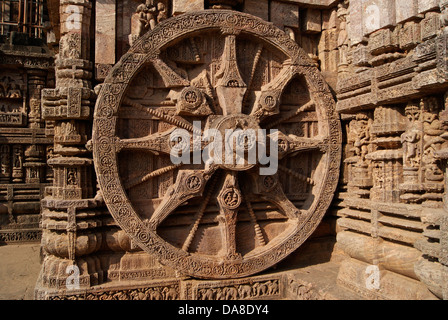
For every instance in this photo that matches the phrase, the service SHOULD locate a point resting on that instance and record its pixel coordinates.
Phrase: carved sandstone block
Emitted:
(356, 29)
(427, 5)
(182, 6)
(406, 9)
(259, 8)
(105, 32)
(430, 26)
(382, 41)
(378, 14)
(329, 19)
(286, 15)
(409, 35)
(312, 21)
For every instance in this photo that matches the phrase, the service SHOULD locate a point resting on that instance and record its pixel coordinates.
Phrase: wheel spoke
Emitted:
(270, 189)
(296, 175)
(200, 214)
(229, 200)
(155, 143)
(267, 102)
(306, 107)
(230, 85)
(252, 74)
(169, 76)
(253, 218)
(166, 118)
(288, 145)
(157, 173)
(189, 184)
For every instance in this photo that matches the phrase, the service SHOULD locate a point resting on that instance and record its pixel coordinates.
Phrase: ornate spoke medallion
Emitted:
(227, 70)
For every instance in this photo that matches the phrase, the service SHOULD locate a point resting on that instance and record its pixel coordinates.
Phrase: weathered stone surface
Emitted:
(427, 5)
(88, 143)
(105, 32)
(259, 8)
(406, 9)
(312, 21)
(286, 15)
(182, 6)
(378, 14)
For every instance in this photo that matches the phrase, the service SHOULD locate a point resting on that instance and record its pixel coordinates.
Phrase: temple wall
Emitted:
(26, 67)
(391, 96)
(385, 64)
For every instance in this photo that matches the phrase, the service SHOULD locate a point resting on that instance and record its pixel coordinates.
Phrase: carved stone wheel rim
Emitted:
(300, 224)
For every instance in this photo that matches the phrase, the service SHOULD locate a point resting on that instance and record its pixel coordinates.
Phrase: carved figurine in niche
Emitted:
(433, 173)
(72, 179)
(432, 130)
(4, 86)
(378, 175)
(4, 159)
(361, 134)
(14, 91)
(162, 15)
(9, 88)
(411, 137)
(69, 128)
(432, 126)
(18, 157)
(343, 35)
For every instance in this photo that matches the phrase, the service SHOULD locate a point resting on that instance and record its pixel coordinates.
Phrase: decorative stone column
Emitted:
(69, 218)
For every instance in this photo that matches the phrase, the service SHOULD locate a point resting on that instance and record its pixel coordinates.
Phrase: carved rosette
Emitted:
(196, 218)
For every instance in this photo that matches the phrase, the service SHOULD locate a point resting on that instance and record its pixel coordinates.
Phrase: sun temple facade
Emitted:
(352, 97)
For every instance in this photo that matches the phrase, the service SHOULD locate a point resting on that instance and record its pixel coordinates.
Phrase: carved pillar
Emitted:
(69, 234)
(343, 40)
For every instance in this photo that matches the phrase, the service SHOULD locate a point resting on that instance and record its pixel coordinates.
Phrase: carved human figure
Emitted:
(146, 13)
(4, 159)
(361, 135)
(411, 137)
(162, 15)
(432, 126)
(14, 91)
(72, 177)
(343, 35)
(17, 157)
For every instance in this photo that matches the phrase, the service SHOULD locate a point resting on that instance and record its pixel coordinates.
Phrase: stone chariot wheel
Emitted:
(227, 71)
